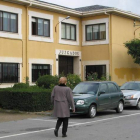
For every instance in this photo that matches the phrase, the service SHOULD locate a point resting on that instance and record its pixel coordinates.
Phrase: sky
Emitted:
(126, 5)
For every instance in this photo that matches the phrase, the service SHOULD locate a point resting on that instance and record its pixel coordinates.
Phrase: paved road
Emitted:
(108, 125)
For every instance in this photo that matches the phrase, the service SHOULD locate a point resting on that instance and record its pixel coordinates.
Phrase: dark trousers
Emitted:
(65, 125)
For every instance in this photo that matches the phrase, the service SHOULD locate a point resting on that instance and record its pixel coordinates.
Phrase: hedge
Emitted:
(31, 99)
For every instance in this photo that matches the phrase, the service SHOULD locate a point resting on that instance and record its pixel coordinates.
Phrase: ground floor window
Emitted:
(8, 73)
(40, 70)
(99, 69)
(65, 65)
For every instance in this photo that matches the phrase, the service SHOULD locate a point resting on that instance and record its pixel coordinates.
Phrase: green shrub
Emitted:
(73, 80)
(32, 99)
(47, 80)
(21, 85)
(92, 76)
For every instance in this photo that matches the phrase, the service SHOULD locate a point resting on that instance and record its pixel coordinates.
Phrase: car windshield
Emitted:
(86, 88)
(130, 86)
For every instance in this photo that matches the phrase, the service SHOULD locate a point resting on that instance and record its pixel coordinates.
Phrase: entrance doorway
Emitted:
(65, 65)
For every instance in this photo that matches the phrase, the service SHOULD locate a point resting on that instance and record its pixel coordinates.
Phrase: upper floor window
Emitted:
(8, 22)
(68, 31)
(40, 27)
(96, 32)
(8, 73)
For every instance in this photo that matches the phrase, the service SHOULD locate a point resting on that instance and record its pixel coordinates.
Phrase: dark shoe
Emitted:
(64, 135)
(56, 132)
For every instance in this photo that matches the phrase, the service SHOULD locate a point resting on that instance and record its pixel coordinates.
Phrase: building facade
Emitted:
(38, 38)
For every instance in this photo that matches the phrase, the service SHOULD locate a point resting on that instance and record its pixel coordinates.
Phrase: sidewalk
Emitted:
(10, 115)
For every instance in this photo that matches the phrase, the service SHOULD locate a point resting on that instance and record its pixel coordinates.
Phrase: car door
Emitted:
(115, 95)
(103, 98)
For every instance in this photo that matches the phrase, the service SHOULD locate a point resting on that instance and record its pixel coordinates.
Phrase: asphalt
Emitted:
(107, 125)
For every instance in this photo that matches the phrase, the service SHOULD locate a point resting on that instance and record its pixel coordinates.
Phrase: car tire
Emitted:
(138, 105)
(120, 107)
(92, 111)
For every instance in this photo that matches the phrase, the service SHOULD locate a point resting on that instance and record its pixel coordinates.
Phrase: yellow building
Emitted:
(39, 38)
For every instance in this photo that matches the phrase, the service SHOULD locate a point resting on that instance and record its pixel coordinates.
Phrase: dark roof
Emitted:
(91, 8)
(81, 9)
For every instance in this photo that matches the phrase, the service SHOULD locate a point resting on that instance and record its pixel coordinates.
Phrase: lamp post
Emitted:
(61, 21)
(135, 29)
(135, 24)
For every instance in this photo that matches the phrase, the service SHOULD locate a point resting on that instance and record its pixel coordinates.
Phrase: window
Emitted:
(103, 87)
(39, 69)
(99, 69)
(68, 31)
(96, 32)
(112, 88)
(40, 27)
(8, 22)
(8, 73)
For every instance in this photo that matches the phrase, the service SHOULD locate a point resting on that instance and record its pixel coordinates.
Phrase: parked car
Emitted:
(90, 97)
(131, 91)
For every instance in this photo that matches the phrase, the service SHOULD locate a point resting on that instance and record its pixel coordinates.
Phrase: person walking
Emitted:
(62, 99)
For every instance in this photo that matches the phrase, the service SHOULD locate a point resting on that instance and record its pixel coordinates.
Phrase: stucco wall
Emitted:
(123, 67)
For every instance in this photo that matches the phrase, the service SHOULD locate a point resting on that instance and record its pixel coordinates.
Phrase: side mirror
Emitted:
(101, 92)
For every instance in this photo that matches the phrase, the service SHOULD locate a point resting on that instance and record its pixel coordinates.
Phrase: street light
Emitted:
(61, 21)
(135, 23)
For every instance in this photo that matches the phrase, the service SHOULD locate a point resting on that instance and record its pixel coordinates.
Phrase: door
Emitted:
(115, 95)
(104, 100)
(65, 65)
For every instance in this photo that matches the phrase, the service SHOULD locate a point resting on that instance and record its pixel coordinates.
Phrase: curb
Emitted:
(48, 113)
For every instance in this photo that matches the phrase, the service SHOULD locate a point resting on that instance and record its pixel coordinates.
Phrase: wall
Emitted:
(97, 53)
(123, 67)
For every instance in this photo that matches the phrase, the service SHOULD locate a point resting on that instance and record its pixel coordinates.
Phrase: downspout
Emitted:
(27, 27)
(110, 47)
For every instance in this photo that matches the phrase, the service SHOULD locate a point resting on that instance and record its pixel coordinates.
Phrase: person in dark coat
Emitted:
(62, 99)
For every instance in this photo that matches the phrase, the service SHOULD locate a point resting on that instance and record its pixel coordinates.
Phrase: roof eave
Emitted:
(112, 10)
(69, 11)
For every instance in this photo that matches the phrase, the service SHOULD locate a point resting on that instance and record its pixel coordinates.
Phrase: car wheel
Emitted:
(92, 111)
(138, 105)
(120, 107)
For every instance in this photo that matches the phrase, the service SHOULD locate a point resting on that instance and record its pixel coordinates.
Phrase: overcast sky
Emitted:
(127, 5)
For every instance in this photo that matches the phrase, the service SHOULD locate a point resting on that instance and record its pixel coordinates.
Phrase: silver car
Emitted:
(131, 91)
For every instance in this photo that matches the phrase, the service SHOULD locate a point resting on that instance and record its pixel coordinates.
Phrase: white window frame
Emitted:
(16, 11)
(98, 62)
(95, 42)
(38, 61)
(44, 16)
(69, 21)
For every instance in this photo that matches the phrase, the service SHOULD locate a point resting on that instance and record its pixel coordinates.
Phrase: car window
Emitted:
(103, 87)
(138, 85)
(86, 88)
(112, 88)
(130, 86)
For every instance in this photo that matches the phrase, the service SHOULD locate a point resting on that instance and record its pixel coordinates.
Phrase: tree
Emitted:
(133, 47)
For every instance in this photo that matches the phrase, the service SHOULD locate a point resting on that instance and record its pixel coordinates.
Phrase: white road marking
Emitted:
(46, 120)
(14, 135)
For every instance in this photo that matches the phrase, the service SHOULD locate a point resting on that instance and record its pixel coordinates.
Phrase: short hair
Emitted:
(62, 80)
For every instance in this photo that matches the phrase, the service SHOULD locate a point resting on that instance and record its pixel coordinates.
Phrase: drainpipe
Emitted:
(27, 32)
(110, 49)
